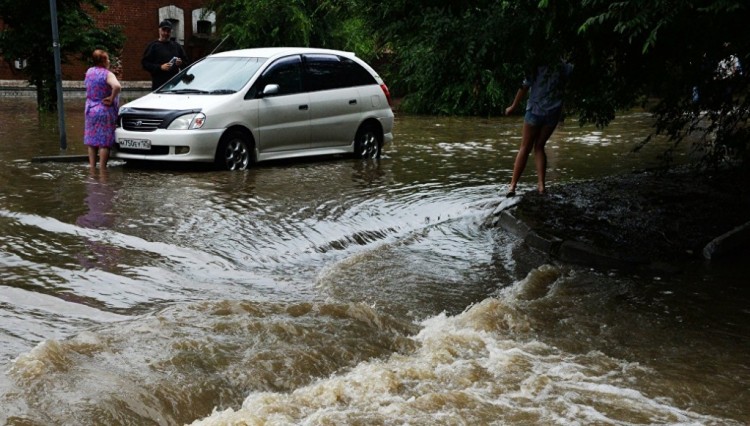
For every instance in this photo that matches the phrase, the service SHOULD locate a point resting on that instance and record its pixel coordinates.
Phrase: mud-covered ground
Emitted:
(660, 215)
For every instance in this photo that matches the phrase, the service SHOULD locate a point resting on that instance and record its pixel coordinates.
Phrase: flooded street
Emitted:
(341, 291)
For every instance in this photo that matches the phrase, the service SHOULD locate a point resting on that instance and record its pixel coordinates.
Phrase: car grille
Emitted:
(141, 124)
(148, 120)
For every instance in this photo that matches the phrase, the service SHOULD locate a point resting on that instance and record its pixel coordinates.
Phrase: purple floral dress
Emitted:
(99, 128)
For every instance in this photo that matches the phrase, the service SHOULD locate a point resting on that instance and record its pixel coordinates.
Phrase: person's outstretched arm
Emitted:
(519, 95)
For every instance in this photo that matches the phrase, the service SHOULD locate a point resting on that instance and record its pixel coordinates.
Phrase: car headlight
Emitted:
(188, 122)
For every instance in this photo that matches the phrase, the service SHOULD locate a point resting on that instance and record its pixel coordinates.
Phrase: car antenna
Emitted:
(220, 43)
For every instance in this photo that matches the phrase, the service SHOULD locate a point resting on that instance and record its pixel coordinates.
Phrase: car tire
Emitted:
(234, 152)
(367, 142)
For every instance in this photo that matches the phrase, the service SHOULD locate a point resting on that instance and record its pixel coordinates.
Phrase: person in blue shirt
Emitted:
(543, 112)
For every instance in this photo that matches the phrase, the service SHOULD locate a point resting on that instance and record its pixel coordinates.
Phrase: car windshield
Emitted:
(214, 76)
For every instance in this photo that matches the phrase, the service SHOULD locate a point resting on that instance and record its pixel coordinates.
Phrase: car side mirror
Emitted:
(270, 89)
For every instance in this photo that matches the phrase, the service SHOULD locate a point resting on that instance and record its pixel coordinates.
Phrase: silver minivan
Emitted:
(244, 106)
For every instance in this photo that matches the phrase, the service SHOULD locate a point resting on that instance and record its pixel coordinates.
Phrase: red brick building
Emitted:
(193, 27)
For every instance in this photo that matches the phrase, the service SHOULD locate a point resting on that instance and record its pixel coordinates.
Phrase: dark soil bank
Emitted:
(637, 219)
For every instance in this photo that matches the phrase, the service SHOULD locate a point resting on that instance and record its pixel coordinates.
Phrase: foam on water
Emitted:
(177, 364)
(479, 367)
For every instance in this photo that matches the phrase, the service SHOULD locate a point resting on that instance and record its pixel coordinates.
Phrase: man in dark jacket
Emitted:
(163, 57)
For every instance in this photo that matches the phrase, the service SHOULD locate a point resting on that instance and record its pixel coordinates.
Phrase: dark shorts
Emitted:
(549, 119)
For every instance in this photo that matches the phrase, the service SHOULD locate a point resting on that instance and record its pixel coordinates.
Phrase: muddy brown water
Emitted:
(337, 291)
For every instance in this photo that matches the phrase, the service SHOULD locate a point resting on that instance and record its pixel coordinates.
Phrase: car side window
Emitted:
(325, 72)
(322, 72)
(286, 72)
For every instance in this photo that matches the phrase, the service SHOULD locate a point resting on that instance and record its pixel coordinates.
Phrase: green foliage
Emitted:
(257, 23)
(465, 58)
(353, 34)
(27, 34)
(266, 23)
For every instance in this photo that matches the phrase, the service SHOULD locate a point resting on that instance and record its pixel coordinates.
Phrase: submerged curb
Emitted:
(652, 220)
(570, 251)
(582, 253)
(60, 158)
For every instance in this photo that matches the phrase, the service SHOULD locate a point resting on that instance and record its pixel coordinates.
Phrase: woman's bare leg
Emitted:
(103, 157)
(540, 156)
(92, 156)
(528, 136)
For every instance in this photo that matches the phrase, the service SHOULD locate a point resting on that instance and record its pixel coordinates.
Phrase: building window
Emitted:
(204, 28)
(204, 22)
(20, 64)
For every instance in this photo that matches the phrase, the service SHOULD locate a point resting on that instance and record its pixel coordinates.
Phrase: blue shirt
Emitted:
(545, 94)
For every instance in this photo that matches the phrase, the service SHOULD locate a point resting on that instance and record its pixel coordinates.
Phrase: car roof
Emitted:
(269, 52)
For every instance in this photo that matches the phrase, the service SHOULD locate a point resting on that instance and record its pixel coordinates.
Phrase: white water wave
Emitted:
(483, 366)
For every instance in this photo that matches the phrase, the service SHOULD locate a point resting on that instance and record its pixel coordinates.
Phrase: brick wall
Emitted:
(139, 20)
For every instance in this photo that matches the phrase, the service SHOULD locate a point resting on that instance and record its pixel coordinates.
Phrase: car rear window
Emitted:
(325, 72)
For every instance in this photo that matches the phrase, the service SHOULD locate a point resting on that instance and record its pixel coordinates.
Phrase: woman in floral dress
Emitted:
(102, 102)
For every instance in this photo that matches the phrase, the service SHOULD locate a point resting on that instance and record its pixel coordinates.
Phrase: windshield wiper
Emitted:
(222, 91)
(181, 91)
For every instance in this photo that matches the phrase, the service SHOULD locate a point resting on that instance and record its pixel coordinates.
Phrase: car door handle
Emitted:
(303, 107)
(353, 102)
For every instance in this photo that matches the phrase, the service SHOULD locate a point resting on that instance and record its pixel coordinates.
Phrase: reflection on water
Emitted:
(99, 199)
(339, 291)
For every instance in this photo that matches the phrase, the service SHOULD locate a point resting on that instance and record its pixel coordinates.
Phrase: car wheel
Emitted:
(234, 151)
(367, 142)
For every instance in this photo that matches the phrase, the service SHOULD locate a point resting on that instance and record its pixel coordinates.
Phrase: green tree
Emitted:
(317, 23)
(451, 57)
(27, 34)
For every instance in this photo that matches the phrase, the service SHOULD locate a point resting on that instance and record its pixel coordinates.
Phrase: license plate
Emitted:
(135, 143)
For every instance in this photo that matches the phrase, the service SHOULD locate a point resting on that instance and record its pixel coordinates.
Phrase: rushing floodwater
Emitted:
(336, 291)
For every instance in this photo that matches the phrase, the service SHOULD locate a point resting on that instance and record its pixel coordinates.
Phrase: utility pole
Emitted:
(58, 75)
